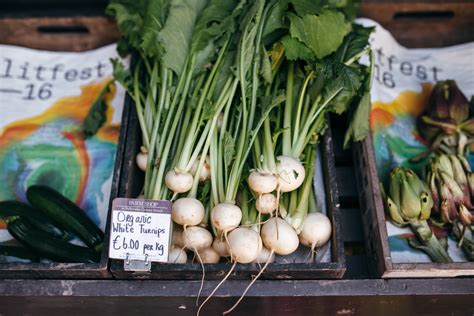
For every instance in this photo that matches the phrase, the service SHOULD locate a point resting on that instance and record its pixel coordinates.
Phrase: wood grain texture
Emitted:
(78, 33)
(424, 23)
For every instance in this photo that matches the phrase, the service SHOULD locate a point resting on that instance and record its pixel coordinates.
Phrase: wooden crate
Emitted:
(77, 33)
(131, 184)
(424, 23)
(413, 24)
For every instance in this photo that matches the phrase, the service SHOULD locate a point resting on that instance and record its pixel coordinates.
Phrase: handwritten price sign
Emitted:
(139, 229)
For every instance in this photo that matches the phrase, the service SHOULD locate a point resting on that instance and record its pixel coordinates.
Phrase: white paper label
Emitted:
(140, 229)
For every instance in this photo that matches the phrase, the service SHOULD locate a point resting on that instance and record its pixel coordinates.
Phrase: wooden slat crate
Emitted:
(413, 24)
(131, 184)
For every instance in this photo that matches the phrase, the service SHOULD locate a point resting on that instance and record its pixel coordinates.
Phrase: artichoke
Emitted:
(448, 122)
(451, 183)
(409, 202)
(409, 198)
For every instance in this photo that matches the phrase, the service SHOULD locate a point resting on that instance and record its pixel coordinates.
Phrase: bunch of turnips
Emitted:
(232, 98)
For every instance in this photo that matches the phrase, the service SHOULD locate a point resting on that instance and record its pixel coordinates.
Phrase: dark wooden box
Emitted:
(131, 183)
(449, 23)
(73, 33)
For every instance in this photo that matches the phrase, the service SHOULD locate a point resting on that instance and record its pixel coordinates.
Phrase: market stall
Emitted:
(364, 264)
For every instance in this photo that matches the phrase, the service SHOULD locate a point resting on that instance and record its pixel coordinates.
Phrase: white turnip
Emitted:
(266, 203)
(187, 212)
(226, 217)
(261, 183)
(208, 255)
(316, 230)
(178, 182)
(177, 255)
(279, 237)
(291, 173)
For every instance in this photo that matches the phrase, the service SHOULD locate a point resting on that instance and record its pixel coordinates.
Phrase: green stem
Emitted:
(269, 155)
(141, 120)
(213, 158)
(170, 115)
(257, 154)
(197, 117)
(302, 138)
(356, 57)
(293, 204)
(169, 140)
(313, 206)
(299, 215)
(244, 206)
(300, 106)
(286, 149)
(429, 242)
(223, 99)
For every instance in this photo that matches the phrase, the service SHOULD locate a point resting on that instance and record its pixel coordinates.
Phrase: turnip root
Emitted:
(142, 159)
(316, 230)
(196, 238)
(279, 237)
(177, 255)
(187, 212)
(178, 182)
(266, 203)
(226, 216)
(177, 237)
(205, 173)
(264, 256)
(208, 255)
(244, 245)
(221, 247)
(291, 173)
(262, 183)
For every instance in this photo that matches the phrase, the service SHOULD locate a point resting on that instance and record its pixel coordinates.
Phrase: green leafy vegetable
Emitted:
(175, 37)
(152, 24)
(354, 43)
(129, 17)
(322, 33)
(294, 49)
(359, 124)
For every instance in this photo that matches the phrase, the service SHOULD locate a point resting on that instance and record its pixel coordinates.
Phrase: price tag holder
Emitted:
(140, 232)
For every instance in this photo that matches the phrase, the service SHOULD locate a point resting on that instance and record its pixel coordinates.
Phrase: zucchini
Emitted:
(36, 218)
(48, 246)
(18, 252)
(66, 214)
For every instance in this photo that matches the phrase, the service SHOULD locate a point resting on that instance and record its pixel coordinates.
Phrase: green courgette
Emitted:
(36, 218)
(48, 246)
(18, 252)
(66, 214)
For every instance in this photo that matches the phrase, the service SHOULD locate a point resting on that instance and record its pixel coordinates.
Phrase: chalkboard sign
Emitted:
(140, 230)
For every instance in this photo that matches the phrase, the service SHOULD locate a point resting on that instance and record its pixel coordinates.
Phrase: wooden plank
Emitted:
(232, 288)
(352, 225)
(357, 267)
(346, 178)
(75, 33)
(424, 23)
(435, 304)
